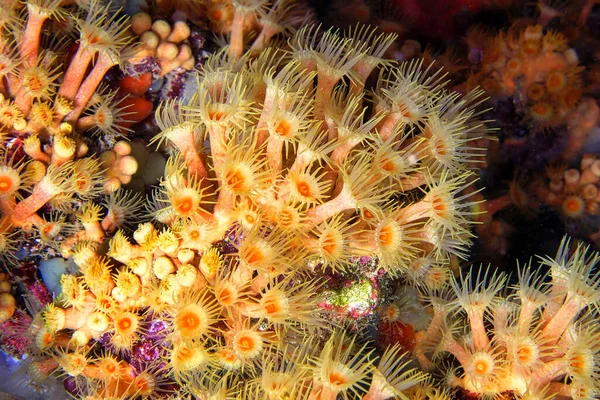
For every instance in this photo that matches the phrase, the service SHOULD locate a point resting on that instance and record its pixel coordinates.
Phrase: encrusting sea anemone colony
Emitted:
(286, 166)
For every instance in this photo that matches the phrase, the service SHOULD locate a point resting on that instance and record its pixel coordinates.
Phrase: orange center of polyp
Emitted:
(189, 321)
(555, 81)
(225, 295)
(47, 339)
(577, 364)
(5, 184)
(329, 245)
(216, 115)
(529, 49)
(81, 183)
(125, 324)
(388, 165)
(481, 367)
(439, 207)
(336, 378)
(573, 205)
(304, 189)
(184, 205)
(235, 180)
(143, 384)
(184, 353)
(283, 128)
(100, 118)
(440, 148)
(385, 236)
(229, 356)
(271, 307)
(255, 255)
(216, 15)
(34, 83)
(94, 39)
(524, 354)
(245, 344)
(105, 304)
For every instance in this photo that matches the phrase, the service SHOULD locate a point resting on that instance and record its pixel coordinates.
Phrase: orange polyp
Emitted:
(105, 304)
(392, 313)
(514, 65)
(188, 321)
(481, 367)
(388, 165)
(101, 118)
(441, 148)
(235, 179)
(47, 229)
(386, 236)
(225, 295)
(271, 307)
(573, 206)
(439, 206)
(216, 115)
(555, 82)
(255, 255)
(541, 112)
(489, 85)
(524, 354)
(329, 245)
(6, 184)
(34, 83)
(303, 189)
(124, 324)
(577, 363)
(184, 353)
(246, 344)
(286, 218)
(228, 355)
(283, 128)
(47, 339)
(216, 15)
(336, 378)
(184, 205)
(144, 384)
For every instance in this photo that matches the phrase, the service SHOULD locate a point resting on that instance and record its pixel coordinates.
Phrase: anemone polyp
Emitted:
(481, 365)
(556, 81)
(573, 206)
(541, 112)
(247, 344)
(187, 357)
(191, 321)
(10, 180)
(126, 329)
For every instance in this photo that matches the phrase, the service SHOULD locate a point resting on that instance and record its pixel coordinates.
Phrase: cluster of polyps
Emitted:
(46, 105)
(285, 165)
(540, 68)
(544, 339)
